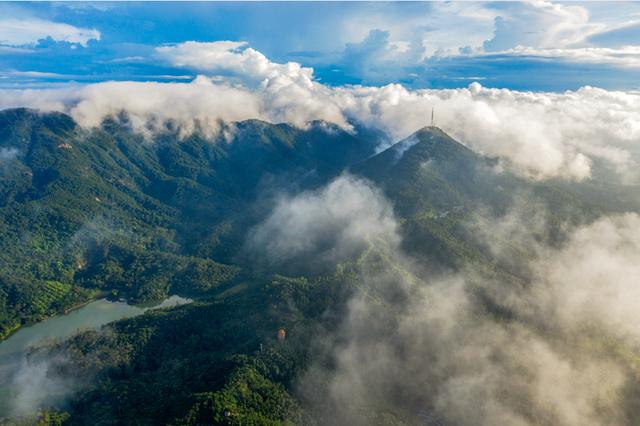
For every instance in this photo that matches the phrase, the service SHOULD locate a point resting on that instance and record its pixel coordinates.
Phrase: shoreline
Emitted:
(98, 296)
(67, 311)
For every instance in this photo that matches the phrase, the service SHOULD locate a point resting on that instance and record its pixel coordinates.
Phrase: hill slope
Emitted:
(103, 209)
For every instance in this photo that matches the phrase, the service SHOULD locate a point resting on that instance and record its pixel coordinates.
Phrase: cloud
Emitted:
(540, 24)
(8, 154)
(284, 92)
(594, 277)
(28, 31)
(430, 32)
(624, 57)
(542, 134)
(620, 35)
(377, 58)
(373, 48)
(467, 349)
(37, 383)
(8, 50)
(197, 105)
(234, 59)
(201, 105)
(448, 41)
(329, 225)
(538, 134)
(7, 157)
(538, 30)
(251, 87)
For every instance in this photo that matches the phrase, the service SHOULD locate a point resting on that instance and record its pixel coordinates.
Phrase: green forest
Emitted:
(106, 212)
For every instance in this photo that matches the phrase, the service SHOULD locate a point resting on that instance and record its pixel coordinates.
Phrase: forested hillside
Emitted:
(85, 212)
(107, 211)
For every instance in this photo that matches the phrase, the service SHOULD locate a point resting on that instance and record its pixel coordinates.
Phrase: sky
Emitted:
(539, 46)
(551, 89)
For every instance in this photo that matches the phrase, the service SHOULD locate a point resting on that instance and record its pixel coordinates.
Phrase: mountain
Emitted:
(106, 211)
(436, 183)
(80, 208)
(427, 160)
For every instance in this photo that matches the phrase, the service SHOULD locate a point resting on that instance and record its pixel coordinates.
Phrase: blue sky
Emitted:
(525, 46)
(550, 88)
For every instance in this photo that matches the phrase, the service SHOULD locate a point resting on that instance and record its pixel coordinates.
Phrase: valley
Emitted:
(274, 227)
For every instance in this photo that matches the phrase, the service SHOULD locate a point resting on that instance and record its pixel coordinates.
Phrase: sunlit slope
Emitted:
(108, 209)
(104, 208)
(437, 184)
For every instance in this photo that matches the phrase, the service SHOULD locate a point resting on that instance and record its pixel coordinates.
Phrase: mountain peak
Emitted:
(430, 141)
(429, 144)
(430, 132)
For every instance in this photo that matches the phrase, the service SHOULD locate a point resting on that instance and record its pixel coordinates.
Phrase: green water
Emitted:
(91, 316)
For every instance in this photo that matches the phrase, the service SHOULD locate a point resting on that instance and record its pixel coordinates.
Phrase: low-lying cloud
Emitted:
(540, 135)
(7, 155)
(467, 349)
(329, 225)
(37, 383)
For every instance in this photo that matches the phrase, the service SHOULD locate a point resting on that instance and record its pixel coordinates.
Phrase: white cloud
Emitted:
(201, 104)
(541, 24)
(540, 29)
(538, 134)
(543, 28)
(13, 50)
(38, 74)
(22, 32)
(617, 35)
(542, 134)
(623, 57)
(35, 383)
(427, 27)
(329, 225)
(236, 59)
(467, 350)
(594, 278)
(8, 154)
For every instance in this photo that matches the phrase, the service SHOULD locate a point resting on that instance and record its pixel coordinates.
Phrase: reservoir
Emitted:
(91, 316)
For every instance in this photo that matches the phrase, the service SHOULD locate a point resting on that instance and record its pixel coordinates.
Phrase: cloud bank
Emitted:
(467, 349)
(37, 382)
(538, 134)
(8, 154)
(329, 225)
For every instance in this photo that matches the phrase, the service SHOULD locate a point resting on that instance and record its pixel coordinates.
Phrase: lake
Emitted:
(91, 316)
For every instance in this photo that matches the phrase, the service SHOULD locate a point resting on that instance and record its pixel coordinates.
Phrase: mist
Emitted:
(38, 380)
(331, 224)
(557, 344)
(7, 156)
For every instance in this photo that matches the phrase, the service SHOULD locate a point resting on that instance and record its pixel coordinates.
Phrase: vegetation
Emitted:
(105, 210)
(90, 212)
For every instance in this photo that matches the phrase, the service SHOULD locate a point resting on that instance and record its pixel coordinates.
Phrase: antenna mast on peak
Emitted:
(432, 122)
